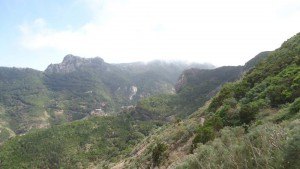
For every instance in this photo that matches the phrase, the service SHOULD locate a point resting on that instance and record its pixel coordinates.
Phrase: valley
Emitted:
(86, 113)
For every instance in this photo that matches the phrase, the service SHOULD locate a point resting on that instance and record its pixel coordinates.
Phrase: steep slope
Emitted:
(253, 123)
(254, 61)
(198, 86)
(193, 88)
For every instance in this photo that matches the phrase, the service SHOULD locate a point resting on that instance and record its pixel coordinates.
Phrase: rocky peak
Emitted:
(71, 63)
(71, 59)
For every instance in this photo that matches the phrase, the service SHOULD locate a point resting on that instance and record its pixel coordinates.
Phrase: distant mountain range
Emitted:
(78, 88)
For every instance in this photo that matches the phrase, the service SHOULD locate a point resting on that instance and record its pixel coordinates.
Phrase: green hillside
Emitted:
(251, 123)
(193, 88)
(23, 97)
(75, 145)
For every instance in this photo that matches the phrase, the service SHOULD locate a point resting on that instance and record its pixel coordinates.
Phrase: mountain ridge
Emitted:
(77, 88)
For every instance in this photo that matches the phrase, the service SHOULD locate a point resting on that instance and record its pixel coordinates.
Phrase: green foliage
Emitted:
(247, 113)
(225, 93)
(4, 134)
(272, 83)
(160, 104)
(240, 90)
(291, 112)
(203, 135)
(159, 153)
(215, 121)
(295, 107)
(256, 60)
(23, 97)
(72, 145)
(259, 113)
(196, 86)
(235, 149)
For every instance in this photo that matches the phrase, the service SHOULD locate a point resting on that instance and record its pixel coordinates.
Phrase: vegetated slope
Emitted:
(74, 145)
(23, 97)
(251, 123)
(99, 142)
(77, 88)
(193, 88)
(254, 61)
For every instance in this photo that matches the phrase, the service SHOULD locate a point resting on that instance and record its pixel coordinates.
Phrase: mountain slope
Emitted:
(193, 88)
(101, 142)
(23, 97)
(253, 123)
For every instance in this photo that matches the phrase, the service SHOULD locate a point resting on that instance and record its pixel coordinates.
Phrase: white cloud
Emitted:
(217, 31)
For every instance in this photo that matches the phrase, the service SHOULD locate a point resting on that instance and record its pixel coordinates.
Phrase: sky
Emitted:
(36, 33)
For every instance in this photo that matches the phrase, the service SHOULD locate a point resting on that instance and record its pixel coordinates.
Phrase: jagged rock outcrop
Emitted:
(71, 63)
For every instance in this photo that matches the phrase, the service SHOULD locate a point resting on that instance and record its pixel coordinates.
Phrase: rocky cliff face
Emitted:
(71, 63)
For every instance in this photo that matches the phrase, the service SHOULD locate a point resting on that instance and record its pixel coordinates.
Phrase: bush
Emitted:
(229, 117)
(295, 107)
(247, 113)
(240, 89)
(203, 135)
(159, 153)
(225, 93)
(215, 121)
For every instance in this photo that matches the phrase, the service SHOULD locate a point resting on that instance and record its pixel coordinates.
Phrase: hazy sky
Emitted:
(35, 33)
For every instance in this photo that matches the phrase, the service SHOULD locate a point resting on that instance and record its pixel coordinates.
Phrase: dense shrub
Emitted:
(295, 107)
(214, 121)
(247, 113)
(159, 153)
(240, 89)
(260, 148)
(72, 145)
(229, 116)
(225, 93)
(203, 135)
